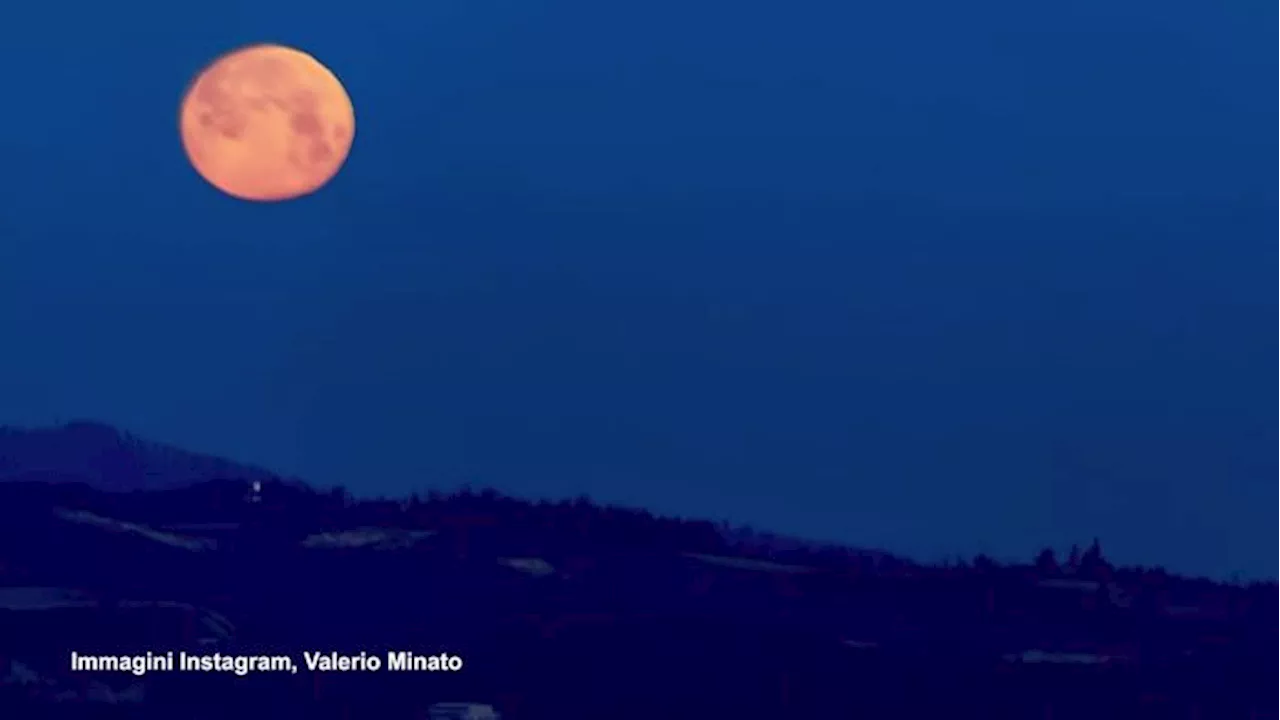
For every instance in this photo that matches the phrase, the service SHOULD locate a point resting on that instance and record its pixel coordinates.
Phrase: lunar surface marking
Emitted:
(267, 123)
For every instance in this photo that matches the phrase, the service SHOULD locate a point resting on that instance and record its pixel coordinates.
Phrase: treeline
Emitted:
(636, 620)
(290, 509)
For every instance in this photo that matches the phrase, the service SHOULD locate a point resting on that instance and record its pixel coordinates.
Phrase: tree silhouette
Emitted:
(984, 564)
(1047, 563)
(1092, 564)
(1073, 558)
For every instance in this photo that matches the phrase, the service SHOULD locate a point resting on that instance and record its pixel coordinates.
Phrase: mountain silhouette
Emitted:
(108, 459)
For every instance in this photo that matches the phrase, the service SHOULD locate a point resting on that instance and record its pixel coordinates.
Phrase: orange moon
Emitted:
(267, 123)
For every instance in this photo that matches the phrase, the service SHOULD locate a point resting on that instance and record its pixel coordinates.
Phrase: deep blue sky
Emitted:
(933, 276)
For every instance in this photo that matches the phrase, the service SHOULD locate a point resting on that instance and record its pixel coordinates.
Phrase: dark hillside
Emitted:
(573, 610)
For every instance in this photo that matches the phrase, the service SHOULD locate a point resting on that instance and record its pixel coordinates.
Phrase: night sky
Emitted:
(937, 277)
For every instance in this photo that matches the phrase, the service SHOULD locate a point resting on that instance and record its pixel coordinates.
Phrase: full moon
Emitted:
(267, 123)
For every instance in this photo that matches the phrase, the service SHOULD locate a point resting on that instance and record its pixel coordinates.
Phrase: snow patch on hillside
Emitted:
(370, 538)
(120, 526)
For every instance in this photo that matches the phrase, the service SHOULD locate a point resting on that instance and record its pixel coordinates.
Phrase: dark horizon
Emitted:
(574, 610)
(111, 459)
